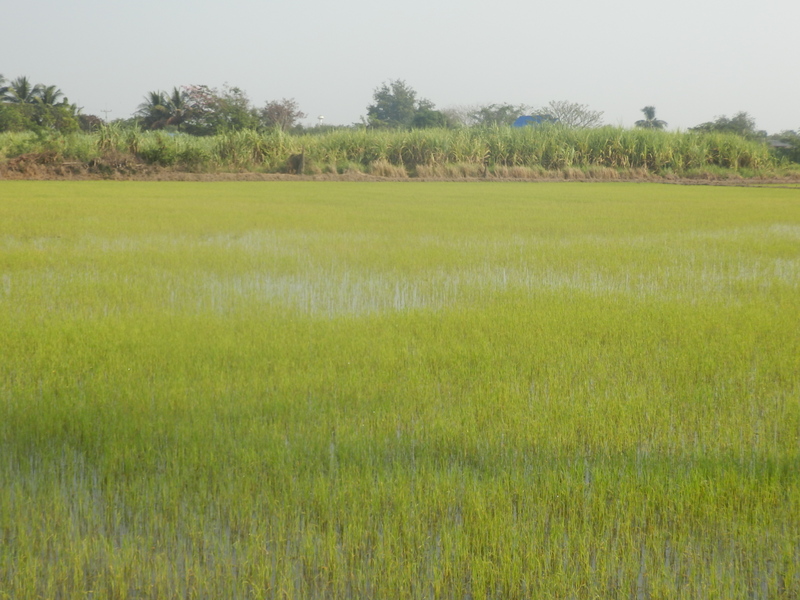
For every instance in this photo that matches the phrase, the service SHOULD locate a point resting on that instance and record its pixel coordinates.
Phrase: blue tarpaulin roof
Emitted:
(528, 120)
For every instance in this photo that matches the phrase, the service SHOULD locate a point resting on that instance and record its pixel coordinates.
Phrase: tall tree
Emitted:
(35, 107)
(395, 105)
(154, 112)
(282, 114)
(160, 109)
(741, 124)
(650, 121)
(572, 114)
(427, 117)
(210, 111)
(22, 91)
(459, 115)
(49, 95)
(178, 106)
(489, 115)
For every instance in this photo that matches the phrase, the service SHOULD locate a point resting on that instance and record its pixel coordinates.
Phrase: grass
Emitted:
(399, 390)
(500, 152)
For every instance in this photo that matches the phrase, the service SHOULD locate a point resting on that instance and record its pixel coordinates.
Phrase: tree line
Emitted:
(202, 110)
(27, 106)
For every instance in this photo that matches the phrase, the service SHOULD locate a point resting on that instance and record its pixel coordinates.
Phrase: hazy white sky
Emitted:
(691, 59)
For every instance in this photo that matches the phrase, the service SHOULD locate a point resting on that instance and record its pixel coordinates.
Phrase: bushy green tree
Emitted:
(59, 117)
(427, 117)
(741, 124)
(25, 106)
(396, 106)
(37, 117)
(198, 110)
(210, 111)
(12, 118)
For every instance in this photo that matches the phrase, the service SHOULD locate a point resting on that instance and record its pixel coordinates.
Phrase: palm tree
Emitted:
(3, 88)
(21, 91)
(650, 121)
(178, 107)
(49, 95)
(154, 111)
(160, 110)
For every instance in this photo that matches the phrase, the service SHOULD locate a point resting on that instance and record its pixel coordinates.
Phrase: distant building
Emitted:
(778, 144)
(533, 120)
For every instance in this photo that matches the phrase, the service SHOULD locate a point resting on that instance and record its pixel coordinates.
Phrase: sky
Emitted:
(693, 60)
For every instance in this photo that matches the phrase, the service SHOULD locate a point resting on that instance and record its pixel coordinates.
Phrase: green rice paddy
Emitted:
(399, 390)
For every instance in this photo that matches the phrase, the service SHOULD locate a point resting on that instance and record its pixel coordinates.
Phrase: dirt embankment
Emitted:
(47, 166)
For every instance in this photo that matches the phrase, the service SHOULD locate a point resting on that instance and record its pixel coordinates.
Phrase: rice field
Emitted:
(399, 390)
